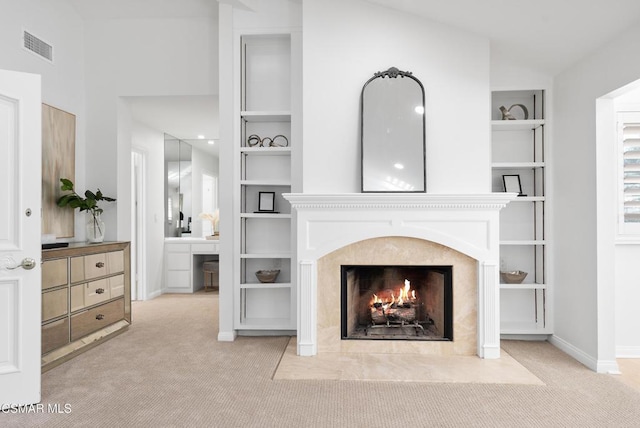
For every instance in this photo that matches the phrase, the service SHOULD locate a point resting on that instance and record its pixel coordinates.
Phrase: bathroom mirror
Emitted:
(392, 120)
(178, 215)
(190, 186)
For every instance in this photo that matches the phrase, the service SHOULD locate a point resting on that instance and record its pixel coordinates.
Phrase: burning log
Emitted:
(378, 315)
(398, 310)
(405, 314)
(382, 314)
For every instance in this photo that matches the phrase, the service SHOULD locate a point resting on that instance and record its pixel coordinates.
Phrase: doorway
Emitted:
(616, 154)
(138, 247)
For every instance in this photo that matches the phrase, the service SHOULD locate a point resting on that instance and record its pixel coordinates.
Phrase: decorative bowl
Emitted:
(513, 277)
(267, 276)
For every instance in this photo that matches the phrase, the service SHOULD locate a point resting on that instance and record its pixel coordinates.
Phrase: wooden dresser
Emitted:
(86, 298)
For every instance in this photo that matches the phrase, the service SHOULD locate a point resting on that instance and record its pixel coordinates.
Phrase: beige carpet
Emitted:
(169, 370)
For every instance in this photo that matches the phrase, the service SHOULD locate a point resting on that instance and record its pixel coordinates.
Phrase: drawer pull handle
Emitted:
(99, 290)
(99, 317)
(100, 264)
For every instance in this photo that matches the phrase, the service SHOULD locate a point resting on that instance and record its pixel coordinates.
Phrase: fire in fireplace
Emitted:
(397, 302)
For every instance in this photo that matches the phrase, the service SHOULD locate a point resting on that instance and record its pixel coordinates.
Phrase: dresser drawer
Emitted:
(116, 285)
(54, 273)
(96, 318)
(55, 335)
(115, 262)
(90, 294)
(88, 267)
(204, 248)
(177, 248)
(77, 297)
(54, 304)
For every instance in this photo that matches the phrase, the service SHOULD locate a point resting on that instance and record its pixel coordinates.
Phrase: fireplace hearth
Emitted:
(397, 303)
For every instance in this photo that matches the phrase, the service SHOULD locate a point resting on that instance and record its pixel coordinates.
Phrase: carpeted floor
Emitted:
(169, 370)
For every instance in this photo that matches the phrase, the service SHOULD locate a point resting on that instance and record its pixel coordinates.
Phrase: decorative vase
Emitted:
(95, 229)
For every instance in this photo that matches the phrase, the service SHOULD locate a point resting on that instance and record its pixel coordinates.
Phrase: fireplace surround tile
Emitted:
(398, 251)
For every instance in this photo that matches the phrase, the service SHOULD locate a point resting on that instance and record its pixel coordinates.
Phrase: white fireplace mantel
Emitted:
(468, 223)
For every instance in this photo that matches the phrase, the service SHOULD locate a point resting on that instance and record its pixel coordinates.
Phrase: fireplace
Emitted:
(384, 302)
(354, 229)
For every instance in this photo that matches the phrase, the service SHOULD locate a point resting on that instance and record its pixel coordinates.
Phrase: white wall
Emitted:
(138, 57)
(344, 44)
(151, 143)
(57, 23)
(584, 211)
(507, 74)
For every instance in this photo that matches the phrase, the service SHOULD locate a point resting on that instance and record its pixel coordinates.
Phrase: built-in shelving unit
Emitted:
(518, 149)
(265, 146)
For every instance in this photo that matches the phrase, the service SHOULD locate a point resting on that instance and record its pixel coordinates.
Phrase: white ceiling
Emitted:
(122, 9)
(547, 35)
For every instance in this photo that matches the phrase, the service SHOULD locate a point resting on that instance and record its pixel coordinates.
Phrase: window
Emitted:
(629, 172)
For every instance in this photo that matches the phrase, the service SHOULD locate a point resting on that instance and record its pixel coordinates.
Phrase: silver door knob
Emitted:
(27, 263)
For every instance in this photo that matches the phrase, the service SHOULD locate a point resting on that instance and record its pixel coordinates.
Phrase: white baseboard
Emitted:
(608, 366)
(599, 366)
(627, 351)
(153, 295)
(226, 336)
(576, 353)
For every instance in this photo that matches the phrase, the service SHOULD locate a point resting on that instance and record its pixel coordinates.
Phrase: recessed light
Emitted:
(419, 109)
(398, 165)
(201, 137)
(211, 142)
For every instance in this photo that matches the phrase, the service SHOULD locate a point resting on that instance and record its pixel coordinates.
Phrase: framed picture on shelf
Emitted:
(512, 184)
(266, 202)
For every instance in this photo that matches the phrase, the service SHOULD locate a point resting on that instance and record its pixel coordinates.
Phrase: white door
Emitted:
(20, 225)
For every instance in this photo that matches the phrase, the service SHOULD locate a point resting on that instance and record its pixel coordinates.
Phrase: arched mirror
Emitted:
(393, 133)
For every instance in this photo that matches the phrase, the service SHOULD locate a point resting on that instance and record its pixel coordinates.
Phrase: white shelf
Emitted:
(265, 182)
(265, 215)
(266, 151)
(524, 286)
(266, 285)
(524, 242)
(266, 116)
(517, 165)
(265, 256)
(516, 125)
(266, 324)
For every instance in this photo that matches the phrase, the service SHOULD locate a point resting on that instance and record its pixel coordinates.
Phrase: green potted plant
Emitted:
(95, 225)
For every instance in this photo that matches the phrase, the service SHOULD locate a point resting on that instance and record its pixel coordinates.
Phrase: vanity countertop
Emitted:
(191, 240)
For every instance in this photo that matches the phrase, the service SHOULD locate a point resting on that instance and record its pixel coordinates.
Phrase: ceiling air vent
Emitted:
(37, 46)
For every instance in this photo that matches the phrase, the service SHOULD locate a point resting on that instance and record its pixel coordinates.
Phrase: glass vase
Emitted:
(95, 228)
